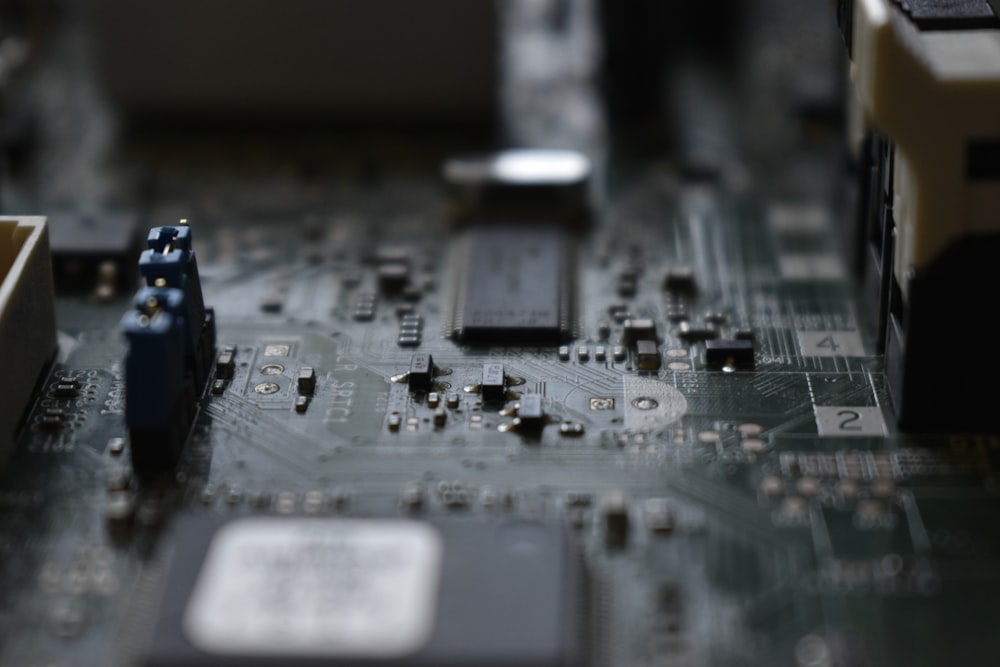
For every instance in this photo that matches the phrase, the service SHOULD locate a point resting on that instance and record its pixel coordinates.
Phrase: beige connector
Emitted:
(27, 318)
(933, 94)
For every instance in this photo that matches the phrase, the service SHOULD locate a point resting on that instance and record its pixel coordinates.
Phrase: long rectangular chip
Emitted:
(515, 287)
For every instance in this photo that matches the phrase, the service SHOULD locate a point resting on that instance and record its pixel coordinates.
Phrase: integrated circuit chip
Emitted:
(515, 288)
(340, 592)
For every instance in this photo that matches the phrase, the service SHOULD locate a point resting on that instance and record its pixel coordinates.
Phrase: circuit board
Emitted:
(680, 393)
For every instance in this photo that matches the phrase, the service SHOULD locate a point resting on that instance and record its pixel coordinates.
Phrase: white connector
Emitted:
(935, 94)
(27, 318)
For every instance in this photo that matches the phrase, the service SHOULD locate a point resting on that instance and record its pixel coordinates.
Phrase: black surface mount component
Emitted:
(516, 287)
(493, 387)
(726, 352)
(421, 373)
(647, 355)
(680, 279)
(530, 414)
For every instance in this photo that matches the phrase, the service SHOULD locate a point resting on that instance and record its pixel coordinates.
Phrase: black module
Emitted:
(421, 373)
(225, 365)
(393, 277)
(932, 390)
(493, 387)
(647, 355)
(529, 411)
(726, 352)
(680, 279)
(516, 288)
(307, 381)
(508, 592)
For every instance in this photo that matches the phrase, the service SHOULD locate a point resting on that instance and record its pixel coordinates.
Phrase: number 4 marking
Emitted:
(830, 343)
(843, 343)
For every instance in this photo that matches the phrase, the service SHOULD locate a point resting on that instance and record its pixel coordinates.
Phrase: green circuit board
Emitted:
(725, 511)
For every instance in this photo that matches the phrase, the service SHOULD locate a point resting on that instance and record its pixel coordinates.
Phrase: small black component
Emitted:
(516, 288)
(680, 279)
(647, 355)
(224, 366)
(530, 414)
(743, 334)
(614, 509)
(603, 329)
(219, 387)
(301, 404)
(725, 352)
(627, 287)
(421, 373)
(307, 381)
(506, 592)
(67, 388)
(408, 340)
(634, 330)
(950, 15)
(272, 302)
(52, 419)
(393, 277)
(690, 332)
(493, 387)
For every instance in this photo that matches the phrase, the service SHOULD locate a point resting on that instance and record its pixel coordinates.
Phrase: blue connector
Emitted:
(170, 262)
(159, 400)
(171, 337)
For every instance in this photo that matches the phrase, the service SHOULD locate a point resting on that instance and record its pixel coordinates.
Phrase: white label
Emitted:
(315, 587)
(840, 421)
(806, 267)
(831, 344)
(798, 218)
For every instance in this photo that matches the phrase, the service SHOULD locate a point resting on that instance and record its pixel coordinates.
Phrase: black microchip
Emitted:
(647, 355)
(503, 592)
(530, 412)
(421, 372)
(725, 352)
(493, 387)
(516, 288)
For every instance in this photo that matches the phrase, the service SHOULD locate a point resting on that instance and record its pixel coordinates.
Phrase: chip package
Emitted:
(515, 286)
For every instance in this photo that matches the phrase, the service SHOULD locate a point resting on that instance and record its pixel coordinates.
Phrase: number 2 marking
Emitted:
(852, 422)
